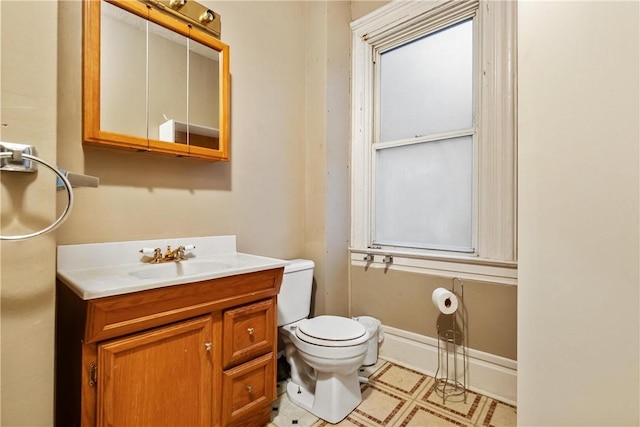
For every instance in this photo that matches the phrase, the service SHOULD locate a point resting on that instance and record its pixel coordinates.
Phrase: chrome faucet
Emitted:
(169, 255)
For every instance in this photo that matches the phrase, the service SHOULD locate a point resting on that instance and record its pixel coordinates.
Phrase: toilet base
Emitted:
(337, 395)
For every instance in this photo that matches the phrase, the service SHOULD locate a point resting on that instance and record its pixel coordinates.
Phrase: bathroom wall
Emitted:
(284, 193)
(359, 8)
(281, 188)
(258, 195)
(326, 192)
(403, 300)
(27, 202)
(579, 214)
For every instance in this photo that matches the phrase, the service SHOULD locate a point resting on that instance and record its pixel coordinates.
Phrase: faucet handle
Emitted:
(189, 247)
(156, 253)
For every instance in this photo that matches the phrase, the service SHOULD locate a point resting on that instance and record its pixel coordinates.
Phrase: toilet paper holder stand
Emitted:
(451, 374)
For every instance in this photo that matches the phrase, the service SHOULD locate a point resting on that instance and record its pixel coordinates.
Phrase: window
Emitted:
(433, 144)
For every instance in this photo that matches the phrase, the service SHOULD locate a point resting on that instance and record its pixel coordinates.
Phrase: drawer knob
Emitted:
(208, 346)
(249, 389)
(250, 330)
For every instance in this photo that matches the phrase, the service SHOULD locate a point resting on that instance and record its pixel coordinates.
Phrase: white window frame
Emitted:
(495, 196)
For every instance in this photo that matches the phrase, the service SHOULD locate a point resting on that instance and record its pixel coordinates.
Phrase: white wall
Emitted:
(578, 284)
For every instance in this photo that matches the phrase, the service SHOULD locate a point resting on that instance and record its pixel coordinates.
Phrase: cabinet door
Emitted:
(158, 378)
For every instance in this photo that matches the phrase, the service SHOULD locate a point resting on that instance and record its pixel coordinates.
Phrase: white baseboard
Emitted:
(488, 374)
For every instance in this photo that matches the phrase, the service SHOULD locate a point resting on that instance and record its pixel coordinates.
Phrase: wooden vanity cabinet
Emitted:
(199, 354)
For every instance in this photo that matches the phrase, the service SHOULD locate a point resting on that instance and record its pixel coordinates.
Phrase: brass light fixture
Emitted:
(192, 12)
(206, 17)
(177, 4)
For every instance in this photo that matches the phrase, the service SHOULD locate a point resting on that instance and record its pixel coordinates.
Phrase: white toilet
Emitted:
(324, 352)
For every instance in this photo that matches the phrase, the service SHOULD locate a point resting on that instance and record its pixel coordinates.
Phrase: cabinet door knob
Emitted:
(249, 389)
(208, 346)
(250, 330)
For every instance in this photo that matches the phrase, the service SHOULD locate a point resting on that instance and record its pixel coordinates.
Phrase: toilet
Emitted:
(324, 352)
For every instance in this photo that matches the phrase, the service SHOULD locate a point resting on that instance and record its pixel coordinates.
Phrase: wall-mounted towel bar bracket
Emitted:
(17, 161)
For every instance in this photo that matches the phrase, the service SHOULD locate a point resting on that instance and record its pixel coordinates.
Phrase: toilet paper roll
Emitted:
(446, 301)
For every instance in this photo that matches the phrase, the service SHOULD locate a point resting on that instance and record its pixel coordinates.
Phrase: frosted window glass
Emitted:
(426, 86)
(424, 195)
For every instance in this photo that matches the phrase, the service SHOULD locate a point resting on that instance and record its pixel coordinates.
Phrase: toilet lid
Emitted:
(331, 331)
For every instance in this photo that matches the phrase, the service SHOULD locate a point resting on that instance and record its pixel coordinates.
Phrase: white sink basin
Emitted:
(105, 269)
(178, 269)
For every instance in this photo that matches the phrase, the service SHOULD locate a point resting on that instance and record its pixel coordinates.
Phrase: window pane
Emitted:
(426, 86)
(424, 195)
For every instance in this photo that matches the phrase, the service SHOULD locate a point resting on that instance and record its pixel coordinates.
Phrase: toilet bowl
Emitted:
(324, 352)
(324, 364)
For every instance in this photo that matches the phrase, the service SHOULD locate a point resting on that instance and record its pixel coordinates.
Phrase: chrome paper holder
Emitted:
(18, 163)
(450, 380)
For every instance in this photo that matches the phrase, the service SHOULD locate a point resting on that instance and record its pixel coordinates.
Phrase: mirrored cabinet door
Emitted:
(204, 110)
(168, 86)
(123, 75)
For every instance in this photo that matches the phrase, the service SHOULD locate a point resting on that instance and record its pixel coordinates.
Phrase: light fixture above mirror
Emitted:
(193, 13)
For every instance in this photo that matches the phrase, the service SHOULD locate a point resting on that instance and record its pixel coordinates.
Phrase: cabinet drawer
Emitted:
(249, 331)
(248, 387)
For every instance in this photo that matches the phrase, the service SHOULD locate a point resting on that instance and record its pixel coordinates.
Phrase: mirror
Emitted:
(153, 82)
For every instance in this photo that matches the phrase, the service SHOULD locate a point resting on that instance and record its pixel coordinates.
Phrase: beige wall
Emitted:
(28, 101)
(256, 196)
(403, 300)
(360, 8)
(577, 359)
(327, 156)
(289, 135)
(578, 291)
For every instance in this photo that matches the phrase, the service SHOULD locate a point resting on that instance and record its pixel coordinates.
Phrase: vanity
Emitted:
(190, 343)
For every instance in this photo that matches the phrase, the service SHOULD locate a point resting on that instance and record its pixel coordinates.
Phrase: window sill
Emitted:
(471, 268)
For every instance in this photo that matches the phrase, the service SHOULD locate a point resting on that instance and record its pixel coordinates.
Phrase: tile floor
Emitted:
(400, 397)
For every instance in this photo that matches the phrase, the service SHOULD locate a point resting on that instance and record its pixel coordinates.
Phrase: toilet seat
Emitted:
(331, 331)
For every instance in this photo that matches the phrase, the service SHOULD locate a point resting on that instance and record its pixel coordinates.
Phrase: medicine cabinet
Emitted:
(153, 82)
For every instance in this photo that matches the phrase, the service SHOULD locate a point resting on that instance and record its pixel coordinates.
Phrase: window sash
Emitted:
(375, 238)
(442, 221)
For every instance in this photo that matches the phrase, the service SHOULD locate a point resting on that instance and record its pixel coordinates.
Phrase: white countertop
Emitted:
(99, 270)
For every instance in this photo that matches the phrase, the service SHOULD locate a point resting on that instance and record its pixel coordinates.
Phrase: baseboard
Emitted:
(488, 374)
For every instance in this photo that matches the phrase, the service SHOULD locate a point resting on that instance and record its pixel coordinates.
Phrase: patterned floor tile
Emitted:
(419, 415)
(350, 421)
(286, 413)
(367, 371)
(456, 406)
(396, 396)
(379, 406)
(400, 379)
(498, 414)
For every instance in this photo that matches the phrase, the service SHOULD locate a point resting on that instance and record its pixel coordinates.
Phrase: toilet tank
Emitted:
(294, 298)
